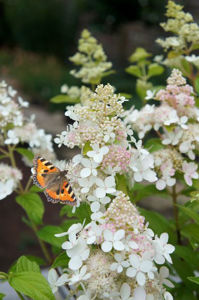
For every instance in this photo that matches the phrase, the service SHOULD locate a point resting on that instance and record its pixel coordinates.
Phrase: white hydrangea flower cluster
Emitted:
(9, 179)
(176, 121)
(107, 151)
(117, 257)
(15, 128)
(181, 24)
(91, 59)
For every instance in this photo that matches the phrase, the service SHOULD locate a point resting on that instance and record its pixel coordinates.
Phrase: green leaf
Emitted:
(64, 99)
(141, 88)
(182, 268)
(194, 279)
(190, 213)
(121, 183)
(154, 145)
(190, 256)
(191, 231)
(35, 189)
(139, 54)
(3, 275)
(24, 264)
(26, 152)
(61, 261)
(31, 284)
(154, 70)
(82, 213)
(40, 261)
(127, 96)
(159, 224)
(33, 205)
(87, 147)
(184, 293)
(47, 234)
(105, 74)
(2, 296)
(196, 84)
(134, 70)
(141, 191)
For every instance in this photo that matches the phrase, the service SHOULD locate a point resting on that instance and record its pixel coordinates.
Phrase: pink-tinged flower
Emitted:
(117, 157)
(190, 172)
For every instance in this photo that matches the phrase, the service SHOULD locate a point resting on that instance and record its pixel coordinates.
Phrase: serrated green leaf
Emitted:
(47, 234)
(155, 70)
(61, 261)
(64, 99)
(134, 70)
(139, 54)
(31, 284)
(25, 265)
(33, 205)
(194, 279)
(25, 152)
(159, 224)
(154, 145)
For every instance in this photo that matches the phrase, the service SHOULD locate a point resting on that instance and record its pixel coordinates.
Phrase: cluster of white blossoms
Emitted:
(176, 121)
(15, 130)
(107, 150)
(117, 257)
(91, 59)
(9, 179)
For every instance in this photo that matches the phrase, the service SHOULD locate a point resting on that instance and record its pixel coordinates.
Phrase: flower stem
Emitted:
(42, 245)
(175, 212)
(13, 163)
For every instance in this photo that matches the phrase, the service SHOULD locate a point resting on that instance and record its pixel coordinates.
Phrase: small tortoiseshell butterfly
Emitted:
(53, 180)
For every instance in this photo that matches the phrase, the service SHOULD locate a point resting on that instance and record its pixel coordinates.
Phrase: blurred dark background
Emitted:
(36, 39)
(38, 36)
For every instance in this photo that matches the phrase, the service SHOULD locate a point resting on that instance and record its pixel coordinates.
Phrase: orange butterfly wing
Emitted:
(41, 168)
(64, 195)
(61, 190)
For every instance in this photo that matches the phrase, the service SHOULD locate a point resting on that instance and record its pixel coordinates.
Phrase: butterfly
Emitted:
(53, 180)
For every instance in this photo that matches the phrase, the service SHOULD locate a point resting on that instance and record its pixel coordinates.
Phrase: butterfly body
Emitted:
(54, 181)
